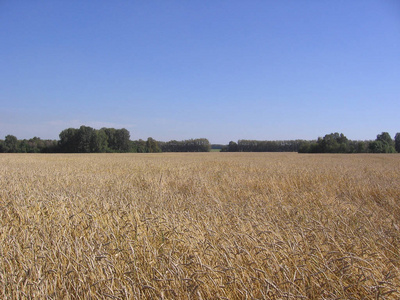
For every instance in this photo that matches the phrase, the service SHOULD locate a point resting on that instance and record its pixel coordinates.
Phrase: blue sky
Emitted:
(223, 70)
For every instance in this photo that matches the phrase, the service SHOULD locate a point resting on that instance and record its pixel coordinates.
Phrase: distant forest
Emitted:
(105, 140)
(110, 140)
(330, 143)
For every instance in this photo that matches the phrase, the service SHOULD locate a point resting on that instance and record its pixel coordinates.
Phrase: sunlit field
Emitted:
(199, 226)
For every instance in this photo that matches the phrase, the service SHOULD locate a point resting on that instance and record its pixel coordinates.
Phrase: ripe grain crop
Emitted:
(199, 226)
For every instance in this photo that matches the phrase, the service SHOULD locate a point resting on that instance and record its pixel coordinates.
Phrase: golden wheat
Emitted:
(199, 226)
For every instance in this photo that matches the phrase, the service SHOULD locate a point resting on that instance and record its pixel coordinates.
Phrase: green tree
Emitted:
(35, 144)
(376, 147)
(202, 145)
(140, 146)
(382, 144)
(171, 146)
(358, 146)
(333, 143)
(111, 139)
(11, 144)
(86, 136)
(122, 140)
(233, 147)
(68, 142)
(385, 138)
(23, 146)
(99, 141)
(397, 142)
(152, 146)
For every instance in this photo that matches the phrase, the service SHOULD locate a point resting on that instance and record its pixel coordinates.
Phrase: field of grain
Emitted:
(199, 226)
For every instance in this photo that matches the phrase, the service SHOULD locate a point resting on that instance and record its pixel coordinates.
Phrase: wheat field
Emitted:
(199, 226)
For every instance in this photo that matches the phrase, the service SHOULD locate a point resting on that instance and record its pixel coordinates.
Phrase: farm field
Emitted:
(199, 226)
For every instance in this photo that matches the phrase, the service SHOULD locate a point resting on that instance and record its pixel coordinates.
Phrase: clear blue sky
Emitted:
(223, 70)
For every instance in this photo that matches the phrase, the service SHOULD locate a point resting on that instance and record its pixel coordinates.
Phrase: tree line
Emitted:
(34, 145)
(264, 146)
(338, 143)
(330, 143)
(110, 140)
(192, 145)
(105, 140)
